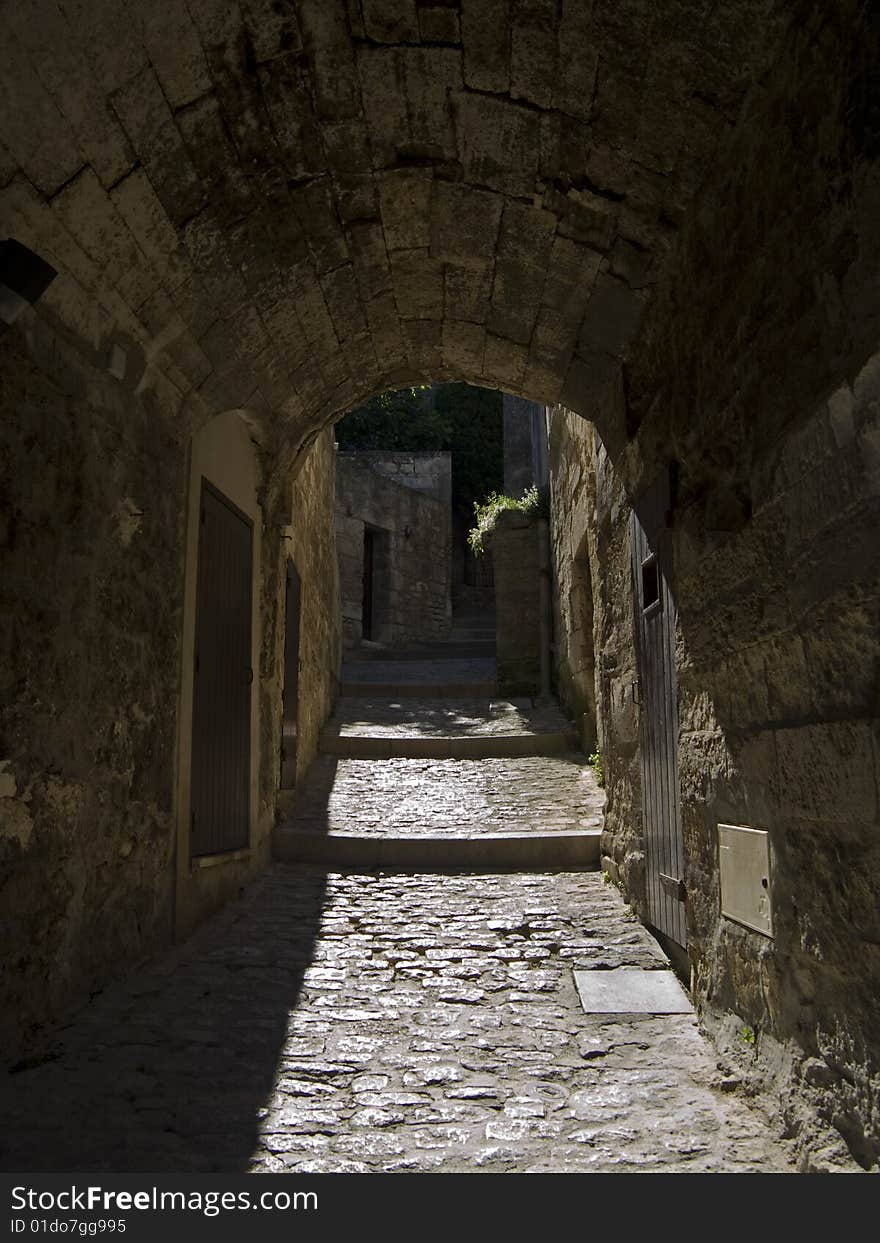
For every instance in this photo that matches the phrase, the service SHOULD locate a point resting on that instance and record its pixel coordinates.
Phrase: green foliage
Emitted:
(598, 771)
(748, 1034)
(465, 421)
(487, 514)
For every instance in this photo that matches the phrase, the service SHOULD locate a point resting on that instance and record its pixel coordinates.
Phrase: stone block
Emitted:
(66, 73)
(520, 270)
(431, 75)
(136, 203)
(176, 51)
(27, 108)
(343, 302)
(110, 35)
(215, 158)
(356, 196)
(345, 145)
(146, 118)
(418, 284)
(316, 212)
(585, 217)
(390, 21)
(439, 24)
(464, 344)
(488, 130)
(533, 51)
(575, 84)
(589, 386)
(285, 89)
(826, 772)
(404, 197)
(467, 292)
(87, 212)
(464, 224)
(273, 29)
(325, 30)
(423, 342)
(383, 88)
(315, 319)
(485, 34)
(504, 364)
(612, 318)
(366, 243)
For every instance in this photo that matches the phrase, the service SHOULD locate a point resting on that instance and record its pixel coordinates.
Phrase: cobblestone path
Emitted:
(386, 1022)
(437, 797)
(395, 1021)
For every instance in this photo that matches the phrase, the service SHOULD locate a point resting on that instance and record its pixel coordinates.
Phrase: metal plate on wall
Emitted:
(744, 867)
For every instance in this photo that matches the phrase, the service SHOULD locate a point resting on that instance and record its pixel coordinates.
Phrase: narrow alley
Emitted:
(403, 1020)
(440, 560)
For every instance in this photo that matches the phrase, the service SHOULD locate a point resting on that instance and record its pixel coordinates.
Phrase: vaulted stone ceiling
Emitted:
(291, 205)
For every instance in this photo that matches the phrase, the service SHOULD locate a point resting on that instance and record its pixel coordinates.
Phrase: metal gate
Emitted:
(221, 738)
(658, 716)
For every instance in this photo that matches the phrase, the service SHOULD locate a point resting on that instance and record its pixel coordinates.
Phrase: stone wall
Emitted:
(311, 543)
(96, 497)
(572, 509)
(93, 489)
(513, 544)
(756, 374)
(404, 498)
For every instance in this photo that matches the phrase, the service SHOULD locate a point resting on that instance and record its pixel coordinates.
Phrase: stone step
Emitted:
(441, 650)
(456, 747)
(418, 690)
(459, 728)
(530, 851)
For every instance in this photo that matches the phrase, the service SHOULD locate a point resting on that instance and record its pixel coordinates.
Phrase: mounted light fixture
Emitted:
(24, 278)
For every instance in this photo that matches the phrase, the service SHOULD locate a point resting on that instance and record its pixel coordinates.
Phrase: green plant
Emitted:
(747, 1034)
(598, 771)
(532, 502)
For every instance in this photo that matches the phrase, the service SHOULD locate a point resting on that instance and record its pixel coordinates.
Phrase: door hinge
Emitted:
(674, 886)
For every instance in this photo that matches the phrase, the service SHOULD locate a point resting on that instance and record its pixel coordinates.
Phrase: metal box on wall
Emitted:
(744, 867)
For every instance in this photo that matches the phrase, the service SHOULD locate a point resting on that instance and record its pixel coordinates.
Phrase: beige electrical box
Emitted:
(744, 865)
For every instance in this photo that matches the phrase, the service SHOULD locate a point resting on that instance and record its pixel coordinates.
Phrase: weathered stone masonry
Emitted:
(405, 500)
(772, 326)
(661, 217)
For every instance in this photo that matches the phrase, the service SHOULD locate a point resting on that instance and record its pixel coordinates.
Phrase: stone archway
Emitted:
(661, 217)
(291, 207)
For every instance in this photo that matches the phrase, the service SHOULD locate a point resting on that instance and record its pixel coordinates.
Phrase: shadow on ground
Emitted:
(171, 1070)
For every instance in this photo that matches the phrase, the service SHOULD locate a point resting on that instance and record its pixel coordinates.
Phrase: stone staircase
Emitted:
(424, 767)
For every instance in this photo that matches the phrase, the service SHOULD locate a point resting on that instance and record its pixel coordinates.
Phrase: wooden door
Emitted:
(221, 730)
(290, 694)
(369, 558)
(655, 615)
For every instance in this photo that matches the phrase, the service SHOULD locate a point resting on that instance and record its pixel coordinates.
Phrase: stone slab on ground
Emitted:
(359, 1023)
(631, 990)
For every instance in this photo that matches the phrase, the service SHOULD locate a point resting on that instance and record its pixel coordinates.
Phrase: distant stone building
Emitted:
(394, 541)
(525, 444)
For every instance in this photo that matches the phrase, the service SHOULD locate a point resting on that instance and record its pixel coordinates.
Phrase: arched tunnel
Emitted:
(659, 221)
